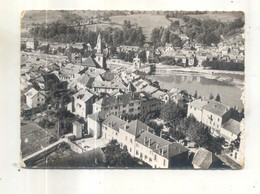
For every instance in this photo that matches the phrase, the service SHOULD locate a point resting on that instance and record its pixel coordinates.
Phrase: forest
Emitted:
(60, 32)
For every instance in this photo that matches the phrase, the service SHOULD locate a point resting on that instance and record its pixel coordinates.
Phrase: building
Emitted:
(107, 86)
(81, 104)
(136, 104)
(204, 159)
(100, 59)
(78, 129)
(195, 108)
(211, 113)
(95, 123)
(230, 130)
(137, 62)
(215, 114)
(84, 82)
(142, 144)
(35, 98)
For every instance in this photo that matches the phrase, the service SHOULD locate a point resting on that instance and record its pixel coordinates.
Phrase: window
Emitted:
(125, 137)
(164, 162)
(131, 104)
(145, 157)
(116, 107)
(141, 155)
(136, 152)
(139, 108)
(131, 110)
(124, 111)
(150, 159)
(124, 105)
(131, 141)
(130, 149)
(155, 157)
(116, 134)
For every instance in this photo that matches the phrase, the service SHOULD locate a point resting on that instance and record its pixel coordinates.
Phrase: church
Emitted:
(99, 61)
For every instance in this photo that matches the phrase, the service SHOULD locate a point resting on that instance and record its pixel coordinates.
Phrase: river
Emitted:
(227, 86)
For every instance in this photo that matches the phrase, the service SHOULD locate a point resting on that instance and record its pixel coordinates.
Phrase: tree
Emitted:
(157, 128)
(196, 94)
(142, 56)
(116, 157)
(211, 96)
(172, 113)
(218, 98)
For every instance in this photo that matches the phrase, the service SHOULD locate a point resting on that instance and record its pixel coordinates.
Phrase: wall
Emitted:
(94, 128)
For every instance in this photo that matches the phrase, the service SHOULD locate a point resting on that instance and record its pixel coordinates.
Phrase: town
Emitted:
(87, 100)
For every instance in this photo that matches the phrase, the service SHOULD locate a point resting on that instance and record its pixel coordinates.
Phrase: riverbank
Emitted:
(235, 78)
(166, 68)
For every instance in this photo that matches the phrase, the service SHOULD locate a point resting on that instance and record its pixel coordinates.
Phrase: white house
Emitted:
(35, 98)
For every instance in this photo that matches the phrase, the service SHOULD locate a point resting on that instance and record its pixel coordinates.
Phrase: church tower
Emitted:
(100, 59)
(99, 44)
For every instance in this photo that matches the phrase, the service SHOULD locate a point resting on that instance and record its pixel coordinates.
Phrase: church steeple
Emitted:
(101, 60)
(99, 44)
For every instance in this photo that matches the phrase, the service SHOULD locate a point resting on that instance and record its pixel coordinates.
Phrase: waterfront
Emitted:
(227, 86)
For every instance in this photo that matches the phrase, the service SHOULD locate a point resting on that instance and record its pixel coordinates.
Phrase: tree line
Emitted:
(223, 65)
(60, 32)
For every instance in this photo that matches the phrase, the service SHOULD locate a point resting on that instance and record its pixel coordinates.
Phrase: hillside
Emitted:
(147, 21)
(219, 16)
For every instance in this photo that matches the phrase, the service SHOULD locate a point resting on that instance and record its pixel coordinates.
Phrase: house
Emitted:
(149, 89)
(230, 130)
(211, 113)
(31, 43)
(81, 104)
(215, 114)
(137, 62)
(204, 159)
(78, 128)
(142, 144)
(161, 96)
(137, 103)
(85, 81)
(195, 108)
(95, 123)
(107, 87)
(35, 98)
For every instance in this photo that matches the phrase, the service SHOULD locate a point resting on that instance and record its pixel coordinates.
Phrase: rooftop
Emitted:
(101, 115)
(216, 108)
(90, 62)
(232, 125)
(83, 95)
(198, 103)
(114, 122)
(204, 159)
(123, 99)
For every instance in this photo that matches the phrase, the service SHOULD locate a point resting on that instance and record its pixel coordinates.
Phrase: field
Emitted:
(220, 16)
(147, 21)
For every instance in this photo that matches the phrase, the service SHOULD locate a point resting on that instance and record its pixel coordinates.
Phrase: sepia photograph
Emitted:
(132, 89)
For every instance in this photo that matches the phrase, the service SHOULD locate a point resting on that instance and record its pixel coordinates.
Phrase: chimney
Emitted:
(154, 132)
(147, 128)
(157, 146)
(149, 145)
(162, 151)
(161, 134)
(125, 127)
(144, 140)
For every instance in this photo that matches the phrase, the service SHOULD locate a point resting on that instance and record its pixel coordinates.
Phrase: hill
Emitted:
(219, 16)
(147, 21)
